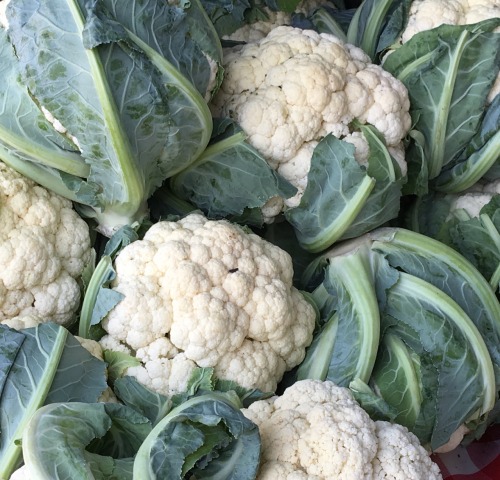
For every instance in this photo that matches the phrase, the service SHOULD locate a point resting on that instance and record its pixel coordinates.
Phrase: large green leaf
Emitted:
(447, 84)
(452, 273)
(337, 189)
(478, 158)
(229, 177)
(179, 440)
(43, 371)
(370, 20)
(81, 441)
(397, 376)
(192, 45)
(346, 346)
(383, 203)
(23, 127)
(439, 330)
(137, 119)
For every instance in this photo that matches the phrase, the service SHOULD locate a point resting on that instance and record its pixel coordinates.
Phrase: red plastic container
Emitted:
(478, 461)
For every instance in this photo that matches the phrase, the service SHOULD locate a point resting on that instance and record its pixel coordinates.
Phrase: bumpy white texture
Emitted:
(400, 455)
(473, 199)
(317, 431)
(44, 247)
(209, 294)
(295, 86)
(428, 14)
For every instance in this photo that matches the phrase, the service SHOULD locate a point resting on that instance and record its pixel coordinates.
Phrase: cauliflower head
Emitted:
(317, 431)
(202, 293)
(473, 199)
(44, 247)
(293, 87)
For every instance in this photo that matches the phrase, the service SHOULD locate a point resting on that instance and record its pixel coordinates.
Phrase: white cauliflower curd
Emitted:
(44, 247)
(317, 431)
(293, 87)
(209, 294)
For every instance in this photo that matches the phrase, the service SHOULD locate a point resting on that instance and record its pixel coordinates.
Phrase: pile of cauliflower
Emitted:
(290, 89)
(317, 431)
(202, 293)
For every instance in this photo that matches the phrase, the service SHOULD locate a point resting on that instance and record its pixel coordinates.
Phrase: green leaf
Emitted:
(346, 346)
(367, 24)
(152, 405)
(397, 378)
(98, 300)
(384, 201)
(57, 437)
(337, 189)
(43, 371)
(373, 404)
(438, 328)
(183, 431)
(118, 364)
(447, 84)
(478, 158)
(229, 177)
(452, 273)
(226, 15)
(136, 117)
(24, 130)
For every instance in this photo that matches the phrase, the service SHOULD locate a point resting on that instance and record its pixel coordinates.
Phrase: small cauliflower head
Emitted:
(472, 200)
(202, 293)
(293, 87)
(400, 455)
(44, 247)
(317, 431)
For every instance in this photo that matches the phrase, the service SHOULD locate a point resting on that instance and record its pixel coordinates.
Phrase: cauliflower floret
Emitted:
(44, 247)
(400, 455)
(21, 473)
(473, 199)
(207, 293)
(317, 431)
(293, 87)
(20, 323)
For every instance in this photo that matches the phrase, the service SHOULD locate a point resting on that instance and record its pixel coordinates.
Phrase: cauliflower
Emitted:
(429, 14)
(317, 431)
(295, 86)
(44, 247)
(200, 293)
(472, 200)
